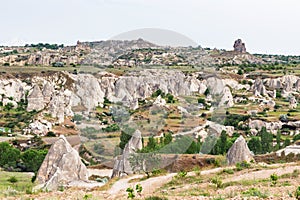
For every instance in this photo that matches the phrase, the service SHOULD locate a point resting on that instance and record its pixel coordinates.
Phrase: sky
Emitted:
(266, 26)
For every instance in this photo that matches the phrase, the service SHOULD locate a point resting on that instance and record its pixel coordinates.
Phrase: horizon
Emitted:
(267, 27)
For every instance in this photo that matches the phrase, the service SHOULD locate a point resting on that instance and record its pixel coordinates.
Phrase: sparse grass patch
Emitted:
(254, 192)
(15, 183)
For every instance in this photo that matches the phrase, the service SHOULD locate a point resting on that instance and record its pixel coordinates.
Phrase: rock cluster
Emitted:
(239, 46)
(239, 152)
(61, 167)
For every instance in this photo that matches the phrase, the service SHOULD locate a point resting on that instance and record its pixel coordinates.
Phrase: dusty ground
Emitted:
(196, 185)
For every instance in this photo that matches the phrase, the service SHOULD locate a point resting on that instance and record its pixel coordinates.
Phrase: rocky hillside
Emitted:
(123, 53)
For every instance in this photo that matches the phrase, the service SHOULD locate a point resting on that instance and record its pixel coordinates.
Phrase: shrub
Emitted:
(297, 193)
(242, 165)
(228, 171)
(130, 193)
(181, 174)
(217, 181)
(12, 179)
(255, 193)
(274, 178)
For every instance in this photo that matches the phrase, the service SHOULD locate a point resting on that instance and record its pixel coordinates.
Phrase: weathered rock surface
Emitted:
(258, 88)
(294, 149)
(227, 99)
(61, 167)
(239, 46)
(122, 165)
(37, 127)
(293, 102)
(35, 99)
(239, 152)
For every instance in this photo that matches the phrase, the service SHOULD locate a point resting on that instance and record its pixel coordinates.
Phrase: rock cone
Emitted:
(61, 167)
(239, 152)
(122, 165)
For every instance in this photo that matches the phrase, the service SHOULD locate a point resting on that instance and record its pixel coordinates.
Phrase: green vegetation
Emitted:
(254, 192)
(46, 45)
(17, 184)
(274, 178)
(217, 181)
(131, 192)
(12, 159)
(242, 165)
(263, 143)
(111, 128)
(297, 193)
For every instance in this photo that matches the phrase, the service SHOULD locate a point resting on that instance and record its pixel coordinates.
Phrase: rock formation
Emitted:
(61, 167)
(293, 102)
(258, 88)
(239, 152)
(239, 46)
(122, 165)
(294, 149)
(35, 99)
(227, 99)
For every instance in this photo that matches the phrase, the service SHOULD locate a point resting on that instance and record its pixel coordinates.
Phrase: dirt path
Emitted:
(263, 174)
(151, 184)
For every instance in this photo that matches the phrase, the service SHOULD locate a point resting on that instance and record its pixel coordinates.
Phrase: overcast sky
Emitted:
(266, 26)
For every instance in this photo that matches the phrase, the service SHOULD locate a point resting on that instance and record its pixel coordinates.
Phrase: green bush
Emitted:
(274, 178)
(12, 179)
(297, 193)
(255, 193)
(111, 128)
(217, 181)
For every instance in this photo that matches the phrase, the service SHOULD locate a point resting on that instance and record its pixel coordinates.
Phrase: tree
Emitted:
(266, 140)
(9, 156)
(167, 138)
(33, 159)
(220, 146)
(240, 72)
(207, 92)
(278, 140)
(254, 145)
(125, 136)
(287, 142)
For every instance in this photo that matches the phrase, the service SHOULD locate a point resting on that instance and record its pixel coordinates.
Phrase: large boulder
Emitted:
(122, 165)
(61, 167)
(239, 152)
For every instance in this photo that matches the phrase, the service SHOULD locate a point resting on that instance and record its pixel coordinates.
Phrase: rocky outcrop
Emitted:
(37, 127)
(35, 99)
(294, 149)
(239, 152)
(122, 165)
(61, 166)
(258, 88)
(273, 127)
(227, 99)
(159, 101)
(239, 46)
(293, 102)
